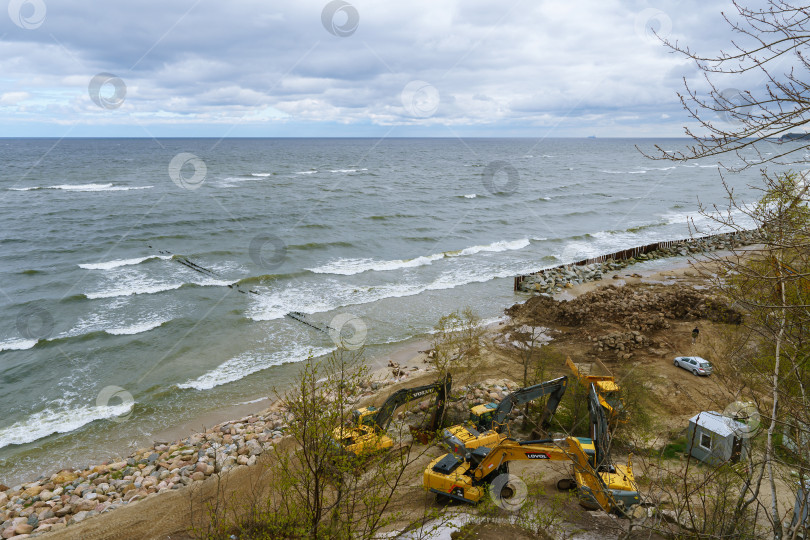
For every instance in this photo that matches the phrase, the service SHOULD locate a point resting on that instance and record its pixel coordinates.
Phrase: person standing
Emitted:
(695, 334)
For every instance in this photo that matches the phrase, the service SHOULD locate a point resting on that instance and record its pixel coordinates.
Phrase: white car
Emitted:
(695, 364)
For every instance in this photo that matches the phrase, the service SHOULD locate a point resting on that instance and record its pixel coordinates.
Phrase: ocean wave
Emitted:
(309, 298)
(503, 245)
(349, 267)
(261, 175)
(84, 187)
(137, 328)
(246, 364)
(18, 344)
(306, 172)
(109, 265)
(642, 171)
(599, 243)
(470, 196)
(708, 223)
(60, 419)
(153, 288)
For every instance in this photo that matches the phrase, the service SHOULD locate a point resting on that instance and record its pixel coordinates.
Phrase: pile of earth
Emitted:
(639, 307)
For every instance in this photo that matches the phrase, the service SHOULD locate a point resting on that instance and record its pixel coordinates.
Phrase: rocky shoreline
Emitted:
(72, 496)
(553, 280)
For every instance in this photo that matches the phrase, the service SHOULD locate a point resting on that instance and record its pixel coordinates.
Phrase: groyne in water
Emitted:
(554, 279)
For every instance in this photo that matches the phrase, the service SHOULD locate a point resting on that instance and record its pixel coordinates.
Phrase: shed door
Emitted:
(736, 449)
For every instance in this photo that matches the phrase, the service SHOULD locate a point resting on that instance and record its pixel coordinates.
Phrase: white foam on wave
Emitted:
(134, 289)
(109, 265)
(706, 224)
(18, 344)
(85, 187)
(600, 243)
(306, 172)
(640, 171)
(494, 321)
(261, 175)
(137, 328)
(253, 401)
(248, 363)
(349, 267)
(58, 419)
(148, 287)
(503, 245)
(310, 298)
(470, 196)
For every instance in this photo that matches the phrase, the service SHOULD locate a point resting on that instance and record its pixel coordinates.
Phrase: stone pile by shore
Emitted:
(74, 495)
(553, 280)
(71, 496)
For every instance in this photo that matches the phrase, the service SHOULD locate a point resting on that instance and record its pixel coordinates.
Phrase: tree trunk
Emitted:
(777, 523)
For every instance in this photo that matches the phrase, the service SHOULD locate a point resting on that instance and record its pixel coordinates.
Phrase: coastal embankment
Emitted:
(168, 471)
(553, 280)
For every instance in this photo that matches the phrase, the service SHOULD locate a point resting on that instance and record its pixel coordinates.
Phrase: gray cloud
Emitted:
(576, 66)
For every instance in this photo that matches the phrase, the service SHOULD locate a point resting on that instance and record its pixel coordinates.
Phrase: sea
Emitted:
(146, 283)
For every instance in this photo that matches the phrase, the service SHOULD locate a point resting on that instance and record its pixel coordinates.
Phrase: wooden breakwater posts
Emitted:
(549, 280)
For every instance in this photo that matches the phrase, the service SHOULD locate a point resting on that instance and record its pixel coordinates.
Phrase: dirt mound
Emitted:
(637, 307)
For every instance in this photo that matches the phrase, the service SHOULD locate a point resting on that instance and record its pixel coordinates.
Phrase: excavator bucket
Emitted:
(423, 436)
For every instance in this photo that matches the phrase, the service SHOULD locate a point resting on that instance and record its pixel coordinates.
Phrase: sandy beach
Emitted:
(160, 510)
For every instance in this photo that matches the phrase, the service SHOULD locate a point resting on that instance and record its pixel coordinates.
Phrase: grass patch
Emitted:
(675, 448)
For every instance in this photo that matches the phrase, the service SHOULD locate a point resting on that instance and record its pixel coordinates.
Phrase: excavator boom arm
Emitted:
(567, 449)
(554, 388)
(399, 398)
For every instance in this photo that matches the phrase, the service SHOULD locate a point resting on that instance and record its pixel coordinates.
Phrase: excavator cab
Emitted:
(481, 415)
(364, 416)
(589, 448)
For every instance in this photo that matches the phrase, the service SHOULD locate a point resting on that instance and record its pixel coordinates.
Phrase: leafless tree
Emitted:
(763, 125)
(770, 47)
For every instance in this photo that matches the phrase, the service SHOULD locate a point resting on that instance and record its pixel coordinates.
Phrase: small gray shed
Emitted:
(796, 436)
(802, 507)
(715, 438)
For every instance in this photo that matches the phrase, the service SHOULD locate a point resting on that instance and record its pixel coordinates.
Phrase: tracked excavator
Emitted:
(488, 420)
(599, 483)
(366, 433)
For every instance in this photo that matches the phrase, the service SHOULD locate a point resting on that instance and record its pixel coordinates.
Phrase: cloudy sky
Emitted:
(349, 68)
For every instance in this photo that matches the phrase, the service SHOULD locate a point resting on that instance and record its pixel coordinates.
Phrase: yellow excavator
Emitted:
(606, 388)
(366, 433)
(488, 420)
(598, 482)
